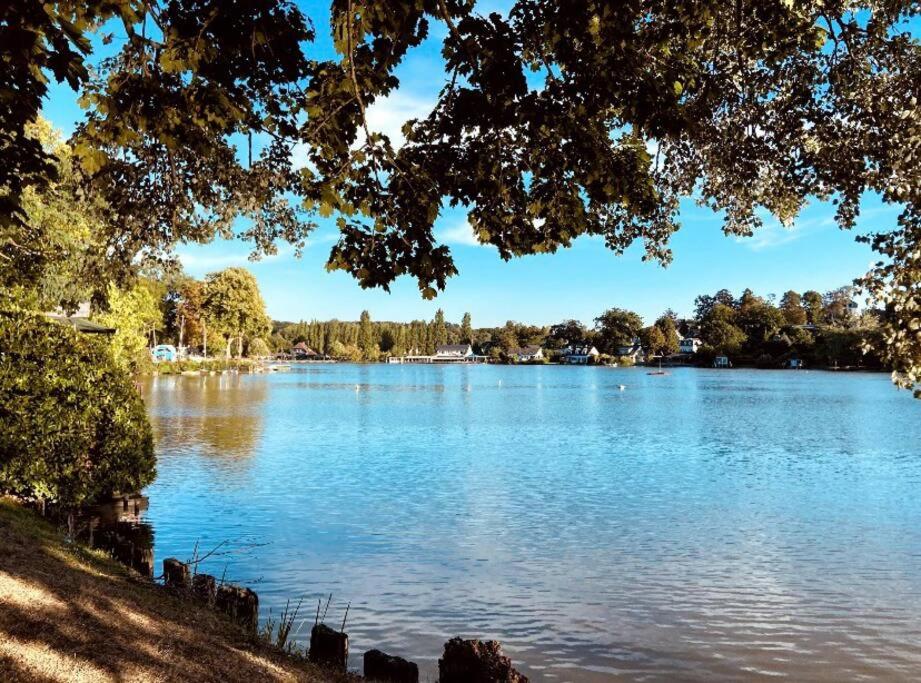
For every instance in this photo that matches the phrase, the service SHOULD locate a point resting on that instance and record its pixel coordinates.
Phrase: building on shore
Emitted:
(690, 345)
(634, 350)
(527, 354)
(447, 353)
(453, 351)
(80, 320)
(301, 351)
(579, 354)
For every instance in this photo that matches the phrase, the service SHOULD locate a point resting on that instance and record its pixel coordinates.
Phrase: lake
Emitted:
(705, 525)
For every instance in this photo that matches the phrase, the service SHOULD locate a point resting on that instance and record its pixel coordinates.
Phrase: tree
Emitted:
(543, 128)
(61, 264)
(703, 304)
(189, 314)
(441, 332)
(670, 340)
(837, 305)
(506, 337)
(757, 318)
(814, 307)
(724, 337)
(719, 330)
(466, 331)
(233, 307)
(73, 427)
(566, 332)
(349, 352)
(653, 340)
(258, 348)
(135, 314)
(616, 327)
(896, 284)
(366, 343)
(791, 305)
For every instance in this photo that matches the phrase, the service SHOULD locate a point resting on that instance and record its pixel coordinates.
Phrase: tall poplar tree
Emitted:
(466, 330)
(366, 341)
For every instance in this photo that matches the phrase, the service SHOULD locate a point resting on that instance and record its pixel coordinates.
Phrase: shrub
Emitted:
(72, 425)
(258, 348)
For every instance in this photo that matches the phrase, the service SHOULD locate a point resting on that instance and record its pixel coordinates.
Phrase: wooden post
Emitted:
(328, 647)
(385, 668)
(175, 573)
(241, 604)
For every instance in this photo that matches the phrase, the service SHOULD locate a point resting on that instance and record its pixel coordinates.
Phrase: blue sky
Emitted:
(576, 283)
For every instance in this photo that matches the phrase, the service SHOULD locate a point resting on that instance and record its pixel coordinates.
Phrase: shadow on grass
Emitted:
(69, 615)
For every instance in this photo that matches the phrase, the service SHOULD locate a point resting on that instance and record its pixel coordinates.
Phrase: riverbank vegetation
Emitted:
(73, 428)
(822, 330)
(71, 614)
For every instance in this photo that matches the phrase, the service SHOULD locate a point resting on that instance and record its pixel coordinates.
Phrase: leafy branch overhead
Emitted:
(557, 120)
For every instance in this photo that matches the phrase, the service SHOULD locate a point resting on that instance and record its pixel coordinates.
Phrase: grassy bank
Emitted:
(70, 614)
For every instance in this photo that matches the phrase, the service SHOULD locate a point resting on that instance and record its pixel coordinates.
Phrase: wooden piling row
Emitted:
(463, 661)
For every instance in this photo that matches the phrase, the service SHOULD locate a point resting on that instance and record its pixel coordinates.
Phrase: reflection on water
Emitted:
(706, 525)
(116, 527)
(218, 415)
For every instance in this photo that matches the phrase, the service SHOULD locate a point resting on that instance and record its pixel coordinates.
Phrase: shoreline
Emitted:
(71, 613)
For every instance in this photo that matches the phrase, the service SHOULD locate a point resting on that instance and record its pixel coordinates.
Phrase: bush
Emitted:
(72, 425)
(258, 348)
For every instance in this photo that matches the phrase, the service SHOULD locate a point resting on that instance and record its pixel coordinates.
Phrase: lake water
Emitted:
(706, 525)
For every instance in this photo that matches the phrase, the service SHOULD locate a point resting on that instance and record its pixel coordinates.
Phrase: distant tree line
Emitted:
(820, 329)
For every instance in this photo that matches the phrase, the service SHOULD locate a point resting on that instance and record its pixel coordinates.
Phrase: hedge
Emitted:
(73, 428)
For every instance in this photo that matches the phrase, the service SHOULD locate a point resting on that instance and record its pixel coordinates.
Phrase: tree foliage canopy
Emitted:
(72, 426)
(233, 306)
(617, 327)
(557, 120)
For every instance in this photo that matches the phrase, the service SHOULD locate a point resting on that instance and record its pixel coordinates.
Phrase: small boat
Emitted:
(660, 371)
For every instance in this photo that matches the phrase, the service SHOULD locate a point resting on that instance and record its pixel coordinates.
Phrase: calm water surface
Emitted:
(707, 525)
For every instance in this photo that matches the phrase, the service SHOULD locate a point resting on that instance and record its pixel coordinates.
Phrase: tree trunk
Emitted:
(240, 346)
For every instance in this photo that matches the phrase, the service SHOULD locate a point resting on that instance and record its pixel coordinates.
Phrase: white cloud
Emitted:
(299, 156)
(459, 233)
(218, 261)
(774, 234)
(387, 115)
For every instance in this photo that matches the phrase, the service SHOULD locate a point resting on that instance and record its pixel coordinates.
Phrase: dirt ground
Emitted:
(69, 614)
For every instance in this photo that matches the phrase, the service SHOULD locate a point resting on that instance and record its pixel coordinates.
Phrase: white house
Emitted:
(690, 345)
(527, 354)
(453, 352)
(633, 351)
(579, 354)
